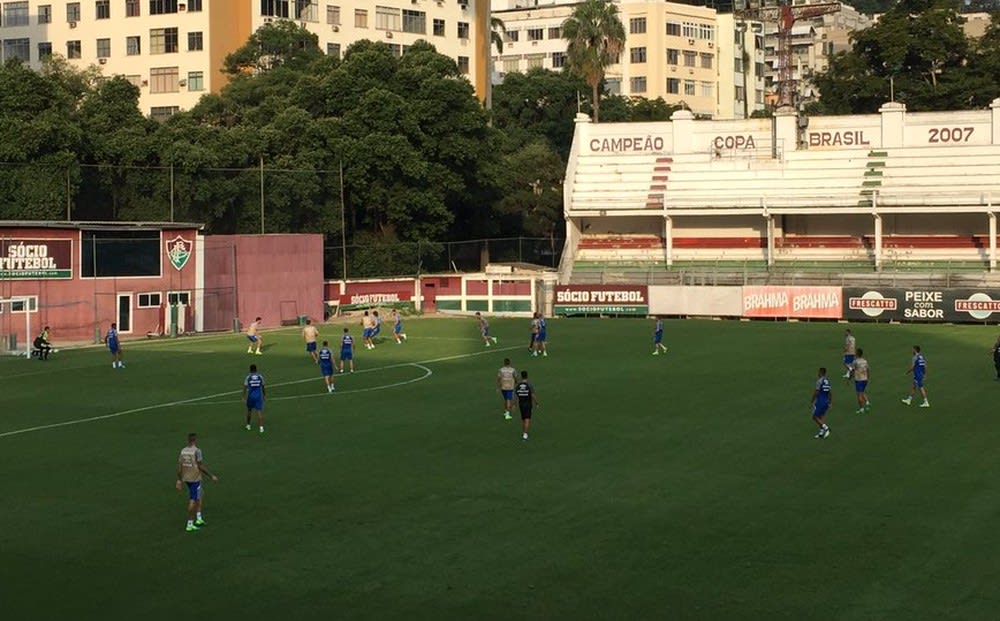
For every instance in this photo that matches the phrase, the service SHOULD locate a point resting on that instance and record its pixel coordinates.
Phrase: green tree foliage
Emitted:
(595, 39)
(279, 43)
(533, 177)
(920, 45)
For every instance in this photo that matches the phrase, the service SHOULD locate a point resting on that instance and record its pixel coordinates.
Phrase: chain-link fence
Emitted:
(414, 258)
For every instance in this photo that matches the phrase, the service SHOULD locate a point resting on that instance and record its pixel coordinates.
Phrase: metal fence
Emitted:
(415, 258)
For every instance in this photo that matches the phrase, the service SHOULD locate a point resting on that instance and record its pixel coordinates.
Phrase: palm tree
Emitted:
(497, 32)
(596, 38)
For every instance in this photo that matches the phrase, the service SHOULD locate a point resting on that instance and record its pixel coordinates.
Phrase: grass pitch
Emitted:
(684, 486)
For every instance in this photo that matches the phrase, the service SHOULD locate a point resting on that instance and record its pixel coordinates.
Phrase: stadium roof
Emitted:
(121, 226)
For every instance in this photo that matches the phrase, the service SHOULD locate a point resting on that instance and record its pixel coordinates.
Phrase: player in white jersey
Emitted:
(190, 467)
(860, 371)
(849, 345)
(506, 380)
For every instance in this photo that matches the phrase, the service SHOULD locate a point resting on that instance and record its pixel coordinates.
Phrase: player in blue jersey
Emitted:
(484, 330)
(996, 358)
(347, 350)
(377, 329)
(326, 365)
(541, 337)
(397, 327)
(658, 345)
(115, 347)
(822, 401)
(918, 366)
(254, 394)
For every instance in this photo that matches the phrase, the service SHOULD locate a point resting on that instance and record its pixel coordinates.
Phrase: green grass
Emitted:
(685, 486)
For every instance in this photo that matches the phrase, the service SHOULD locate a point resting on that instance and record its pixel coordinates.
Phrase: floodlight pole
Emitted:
(343, 222)
(262, 194)
(171, 191)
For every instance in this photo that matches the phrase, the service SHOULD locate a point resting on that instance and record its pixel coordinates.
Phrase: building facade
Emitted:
(173, 50)
(688, 55)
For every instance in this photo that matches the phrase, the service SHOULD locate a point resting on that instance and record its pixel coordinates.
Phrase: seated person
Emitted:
(42, 344)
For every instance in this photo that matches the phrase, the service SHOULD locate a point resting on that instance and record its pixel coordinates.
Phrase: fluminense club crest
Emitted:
(179, 251)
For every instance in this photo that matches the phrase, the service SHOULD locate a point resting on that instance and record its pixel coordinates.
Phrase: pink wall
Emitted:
(278, 277)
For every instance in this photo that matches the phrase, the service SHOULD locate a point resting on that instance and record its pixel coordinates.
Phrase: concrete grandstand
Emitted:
(865, 194)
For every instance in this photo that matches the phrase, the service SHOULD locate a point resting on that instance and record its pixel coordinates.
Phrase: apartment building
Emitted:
(688, 55)
(173, 50)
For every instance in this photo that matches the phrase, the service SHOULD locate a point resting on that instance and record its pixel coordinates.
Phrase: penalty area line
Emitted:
(159, 406)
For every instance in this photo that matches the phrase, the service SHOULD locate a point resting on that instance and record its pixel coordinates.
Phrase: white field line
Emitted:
(157, 406)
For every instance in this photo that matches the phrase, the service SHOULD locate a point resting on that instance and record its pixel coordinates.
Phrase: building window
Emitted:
(512, 36)
(18, 306)
(414, 21)
(133, 46)
(103, 9)
(44, 50)
(534, 34)
(148, 300)
(104, 48)
(706, 60)
(134, 80)
(689, 87)
(673, 86)
(73, 12)
(673, 57)
(333, 50)
(386, 18)
(463, 30)
(273, 8)
(690, 58)
(438, 27)
(673, 29)
(17, 48)
(637, 54)
(332, 15)
(178, 297)
(132, 8)
(637, 84)
(558, 60)
(45, 14)
(307, 10)
(163, 41)
(555, 32)
(194, 6)
(164, 80)
(689, 30)
(15, 14)
(74, 49)
(360, 18)
(196, 80)
(162, 113)
(706, 32)
(535, 61)
(740, 93)
(163, 7)
(396, 49)
(637, 25)
(511, 65)
(463, 65)
(707, 89)
(196, 41)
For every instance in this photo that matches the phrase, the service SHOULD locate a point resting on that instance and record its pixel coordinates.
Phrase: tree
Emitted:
(918, 50)
(274, 44)
(538, 104)
(595, 38)
(497, 32)
(532, 195)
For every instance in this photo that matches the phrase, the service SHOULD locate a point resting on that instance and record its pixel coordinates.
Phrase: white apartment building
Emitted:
(173, 50)
(688, 55)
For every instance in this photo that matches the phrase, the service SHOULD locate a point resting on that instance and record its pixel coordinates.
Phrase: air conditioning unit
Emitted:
(510, 44)
(181, 7)
(710, 45)
(268, 20)
(182, 83)
(336, 28)
(72, 24)
(673, 68)
(534, 42)
(464, 5)
(388, 34)
(145, 82)
(690, 41)
(690, 71)
(102, 61)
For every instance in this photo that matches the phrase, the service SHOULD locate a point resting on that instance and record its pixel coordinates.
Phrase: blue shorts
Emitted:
(114, 348)
(820, 408)
(485, 331)
(848, 358)
(507, 394)
(860, 385)
(346, 354)
(311, 347)
(194, 490)
(255, 403)
(366, 332)
(376, 331)
(541, 337)
(252, 338)
(918, 381)
(326, 368)
(398, 328)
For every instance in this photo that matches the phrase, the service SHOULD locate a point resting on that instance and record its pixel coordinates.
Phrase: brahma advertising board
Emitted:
(921, 304)
(792, 302)
(601, 300)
